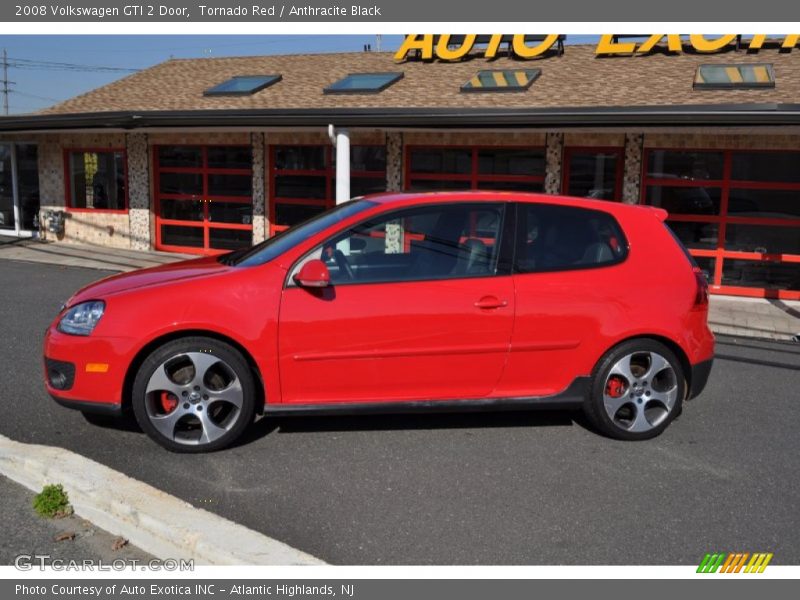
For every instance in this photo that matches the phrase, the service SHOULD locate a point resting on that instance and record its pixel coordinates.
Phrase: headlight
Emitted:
(82, 318)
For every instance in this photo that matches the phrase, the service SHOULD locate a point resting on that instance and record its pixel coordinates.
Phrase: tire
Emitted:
(194, 394)
(637, 390)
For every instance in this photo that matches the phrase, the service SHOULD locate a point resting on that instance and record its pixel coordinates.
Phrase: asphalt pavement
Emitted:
(506, 488)
(32, 540)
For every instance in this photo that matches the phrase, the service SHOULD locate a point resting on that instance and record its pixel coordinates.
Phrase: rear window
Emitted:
(678, 241)
(556, 238)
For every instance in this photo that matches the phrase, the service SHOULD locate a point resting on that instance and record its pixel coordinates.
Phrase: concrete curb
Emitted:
(155, 521)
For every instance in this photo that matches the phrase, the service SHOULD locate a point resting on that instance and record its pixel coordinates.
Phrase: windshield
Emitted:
(280, 243)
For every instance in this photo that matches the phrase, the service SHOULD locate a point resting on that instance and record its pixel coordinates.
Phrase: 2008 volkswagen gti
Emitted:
(396, 303)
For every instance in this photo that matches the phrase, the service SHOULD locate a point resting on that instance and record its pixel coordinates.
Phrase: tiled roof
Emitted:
(575, 79)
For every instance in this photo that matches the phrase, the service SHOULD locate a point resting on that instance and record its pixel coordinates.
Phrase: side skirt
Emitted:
(571, 398)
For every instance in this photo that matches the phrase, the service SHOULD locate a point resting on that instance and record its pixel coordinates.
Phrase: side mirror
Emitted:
(313, 274)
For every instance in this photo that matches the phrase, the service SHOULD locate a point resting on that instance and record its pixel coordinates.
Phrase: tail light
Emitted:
(701, 295)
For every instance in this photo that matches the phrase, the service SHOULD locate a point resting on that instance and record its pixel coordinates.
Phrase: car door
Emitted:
(420, 307)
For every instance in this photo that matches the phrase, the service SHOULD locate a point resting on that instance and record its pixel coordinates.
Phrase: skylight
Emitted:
(741, 76)
(504, 80)
(363, 83)
(242, 85)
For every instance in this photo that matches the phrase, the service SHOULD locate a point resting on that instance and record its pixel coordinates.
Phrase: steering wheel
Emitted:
(344, 265)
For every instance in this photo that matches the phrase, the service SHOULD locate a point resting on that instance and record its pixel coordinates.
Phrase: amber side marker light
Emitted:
(97, 367)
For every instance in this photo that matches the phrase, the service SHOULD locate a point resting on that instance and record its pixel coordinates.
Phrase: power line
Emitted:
(46, 65)
(27, 95)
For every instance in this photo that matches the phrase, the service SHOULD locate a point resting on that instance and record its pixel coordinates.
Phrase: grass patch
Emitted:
(52, 502)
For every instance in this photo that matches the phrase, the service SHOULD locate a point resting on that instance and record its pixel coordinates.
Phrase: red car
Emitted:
(396, 303)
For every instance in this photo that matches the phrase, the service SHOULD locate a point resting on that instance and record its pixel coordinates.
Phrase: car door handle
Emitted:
(491, 302)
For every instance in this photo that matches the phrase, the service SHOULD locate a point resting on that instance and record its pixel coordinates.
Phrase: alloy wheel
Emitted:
(194, 398)
(640, 391)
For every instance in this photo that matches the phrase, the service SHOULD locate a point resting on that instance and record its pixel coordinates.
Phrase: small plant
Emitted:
(52, 502)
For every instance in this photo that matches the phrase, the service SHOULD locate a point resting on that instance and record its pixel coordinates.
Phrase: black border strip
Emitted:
(694, 115)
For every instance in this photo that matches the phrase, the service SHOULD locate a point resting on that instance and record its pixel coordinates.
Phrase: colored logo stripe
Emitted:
(733, 562)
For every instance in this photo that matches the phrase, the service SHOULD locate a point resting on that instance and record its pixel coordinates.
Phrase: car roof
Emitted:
(411, 198)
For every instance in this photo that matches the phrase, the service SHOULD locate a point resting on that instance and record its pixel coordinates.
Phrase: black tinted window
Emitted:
(556, 238)
(427, 242)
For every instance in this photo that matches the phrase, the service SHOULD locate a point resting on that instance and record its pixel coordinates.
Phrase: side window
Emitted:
(428, 242)
(556, 238)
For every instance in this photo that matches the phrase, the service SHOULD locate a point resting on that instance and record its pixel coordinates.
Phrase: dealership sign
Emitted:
(454, 47)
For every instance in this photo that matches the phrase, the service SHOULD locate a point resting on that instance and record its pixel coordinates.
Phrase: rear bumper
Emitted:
(97, 408)
(699, 377)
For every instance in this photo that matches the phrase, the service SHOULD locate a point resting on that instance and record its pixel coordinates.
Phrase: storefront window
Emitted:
(97, 179)
(696, 235)
(28, 183)
(473, 167)
(766, 275)
(7, 215)
(685, 200)
(685, 165)
(772, 203)
(204, 198)
(593, 173)
(766, 166)
(441, 160)
(19, 196)
(738, 212)
(303, 180)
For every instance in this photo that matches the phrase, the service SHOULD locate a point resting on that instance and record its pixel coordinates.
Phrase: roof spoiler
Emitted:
(660, 213)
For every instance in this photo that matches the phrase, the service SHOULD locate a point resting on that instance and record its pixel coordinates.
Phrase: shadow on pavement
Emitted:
(287, 425)
(756, 361)
(793, 348)
(422, 421)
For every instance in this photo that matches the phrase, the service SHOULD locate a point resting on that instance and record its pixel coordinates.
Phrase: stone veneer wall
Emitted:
(554, 155)
(97, 228)
(632, 174)
(139, 190)
(259, 188)
(394, 161)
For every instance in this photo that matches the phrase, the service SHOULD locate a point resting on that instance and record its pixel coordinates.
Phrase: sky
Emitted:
(39, 86)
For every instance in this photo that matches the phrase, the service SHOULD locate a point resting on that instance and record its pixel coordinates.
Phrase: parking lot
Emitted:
(507, 488)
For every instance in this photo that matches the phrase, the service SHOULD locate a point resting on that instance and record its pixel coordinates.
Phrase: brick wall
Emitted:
(722, 141)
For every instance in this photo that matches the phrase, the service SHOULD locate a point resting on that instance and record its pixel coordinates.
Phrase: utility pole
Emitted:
(5, 82)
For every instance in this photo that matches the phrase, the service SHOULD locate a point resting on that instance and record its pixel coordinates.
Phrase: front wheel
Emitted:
(194, 394)
(637, 390)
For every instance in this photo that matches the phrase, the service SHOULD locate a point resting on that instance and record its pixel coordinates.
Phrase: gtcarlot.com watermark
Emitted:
(30, 562)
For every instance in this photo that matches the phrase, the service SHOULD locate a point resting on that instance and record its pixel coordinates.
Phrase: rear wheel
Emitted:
(637, 390)
(194, 394)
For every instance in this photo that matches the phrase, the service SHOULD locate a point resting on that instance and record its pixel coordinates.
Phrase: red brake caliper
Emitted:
(615, 387)
(168, 402)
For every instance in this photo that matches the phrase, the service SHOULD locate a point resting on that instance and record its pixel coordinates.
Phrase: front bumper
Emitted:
(96, 408)
(87, 373)
(699, 377)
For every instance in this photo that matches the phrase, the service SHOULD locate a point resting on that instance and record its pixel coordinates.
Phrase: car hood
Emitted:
(188, 269)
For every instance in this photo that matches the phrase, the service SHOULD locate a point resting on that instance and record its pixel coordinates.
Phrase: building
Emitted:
(205, 155)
